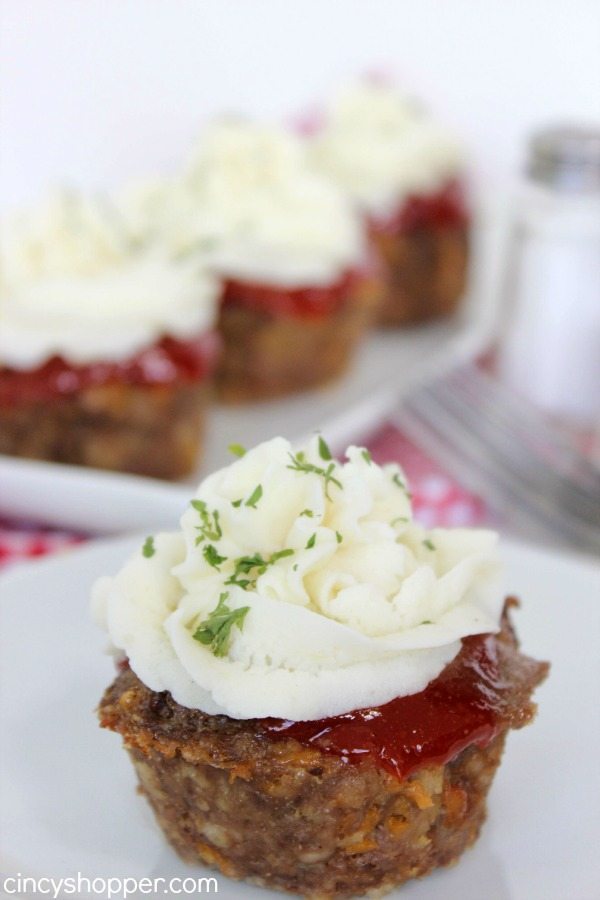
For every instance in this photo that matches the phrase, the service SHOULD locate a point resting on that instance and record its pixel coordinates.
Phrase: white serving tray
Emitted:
(387, 367)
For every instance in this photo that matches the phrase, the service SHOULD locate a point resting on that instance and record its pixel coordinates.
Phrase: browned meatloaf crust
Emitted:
(266, 356)
(426, 272)
(152, 430)
(294, 818)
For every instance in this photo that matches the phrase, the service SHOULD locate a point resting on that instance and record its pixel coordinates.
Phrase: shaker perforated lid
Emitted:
(566, 157)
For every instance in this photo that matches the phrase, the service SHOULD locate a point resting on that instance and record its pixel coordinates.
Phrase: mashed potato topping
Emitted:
(250, 205)
(299, 587)
(380, 147)
(73, 284)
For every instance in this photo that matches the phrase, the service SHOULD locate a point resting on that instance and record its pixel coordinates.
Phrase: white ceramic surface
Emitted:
(68, 791)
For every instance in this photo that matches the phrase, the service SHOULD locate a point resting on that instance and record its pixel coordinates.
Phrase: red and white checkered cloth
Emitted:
(437, 500)
(19, 541)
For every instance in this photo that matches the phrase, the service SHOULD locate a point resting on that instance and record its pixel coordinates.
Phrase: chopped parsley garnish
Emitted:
(307, 512)
(215, 630)
(237, 503)
(148, 549)
(429, 544)
(295, 567)
(212, 557)
(244, 566)
(401, 484)
(280, 554)
(399, 519)
(339, 537)
(426, 622)
(300, 464)
(311, 541)
(237, 450)
(254, 497)
(252, 567)
(366, 456)
(210, 529)
(324, 451)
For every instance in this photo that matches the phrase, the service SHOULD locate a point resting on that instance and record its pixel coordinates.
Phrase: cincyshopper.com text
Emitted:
(111, 888)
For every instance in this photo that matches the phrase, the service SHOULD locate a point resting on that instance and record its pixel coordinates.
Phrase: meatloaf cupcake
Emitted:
(314, 690)
(299, 291)
(105, 353)
(405, 174)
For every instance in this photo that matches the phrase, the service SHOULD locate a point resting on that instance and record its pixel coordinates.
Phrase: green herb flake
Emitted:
(148, 549)
(237, 450)
(251, 567)
(426, 622)
(295, 567)
(324, 451)
(210, 528)
(429, 544)
(237, 503)
(339, 537)
(280, 554)
(254, 497)
(212, 557)
(403, 519)
(300, 464)
(401, 484)
(311, 541)
(307, 512)
(243, 566)
(215, 631)
(366, 456)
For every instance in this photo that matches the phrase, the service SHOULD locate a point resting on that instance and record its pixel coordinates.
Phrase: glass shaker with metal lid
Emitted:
(550, 347)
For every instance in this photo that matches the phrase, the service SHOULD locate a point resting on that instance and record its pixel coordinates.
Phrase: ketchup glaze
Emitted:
(303, 303)
(168, 361)
(443, 208)
(466, 704)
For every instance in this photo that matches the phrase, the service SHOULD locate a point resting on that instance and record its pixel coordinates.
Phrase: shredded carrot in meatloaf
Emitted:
(212, 857)
(417, 793)
(396, 825)
(455, 801)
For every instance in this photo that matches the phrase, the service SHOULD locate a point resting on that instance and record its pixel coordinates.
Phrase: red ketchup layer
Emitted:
(464, 705)
(301, 303)
(444, 208)
(168, 361)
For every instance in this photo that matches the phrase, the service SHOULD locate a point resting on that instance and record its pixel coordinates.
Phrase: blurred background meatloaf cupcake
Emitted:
(405, 174)
(106, 352)
(299, 289)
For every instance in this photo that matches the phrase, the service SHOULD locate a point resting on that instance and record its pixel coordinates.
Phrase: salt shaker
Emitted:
(550, 347)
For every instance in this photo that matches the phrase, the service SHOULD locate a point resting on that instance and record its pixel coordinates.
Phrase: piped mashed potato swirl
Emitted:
(249, 204)
(379, 146)
(73, 284)
(350, 603)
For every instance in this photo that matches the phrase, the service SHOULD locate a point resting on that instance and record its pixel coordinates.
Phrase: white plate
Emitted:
(68, 791)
